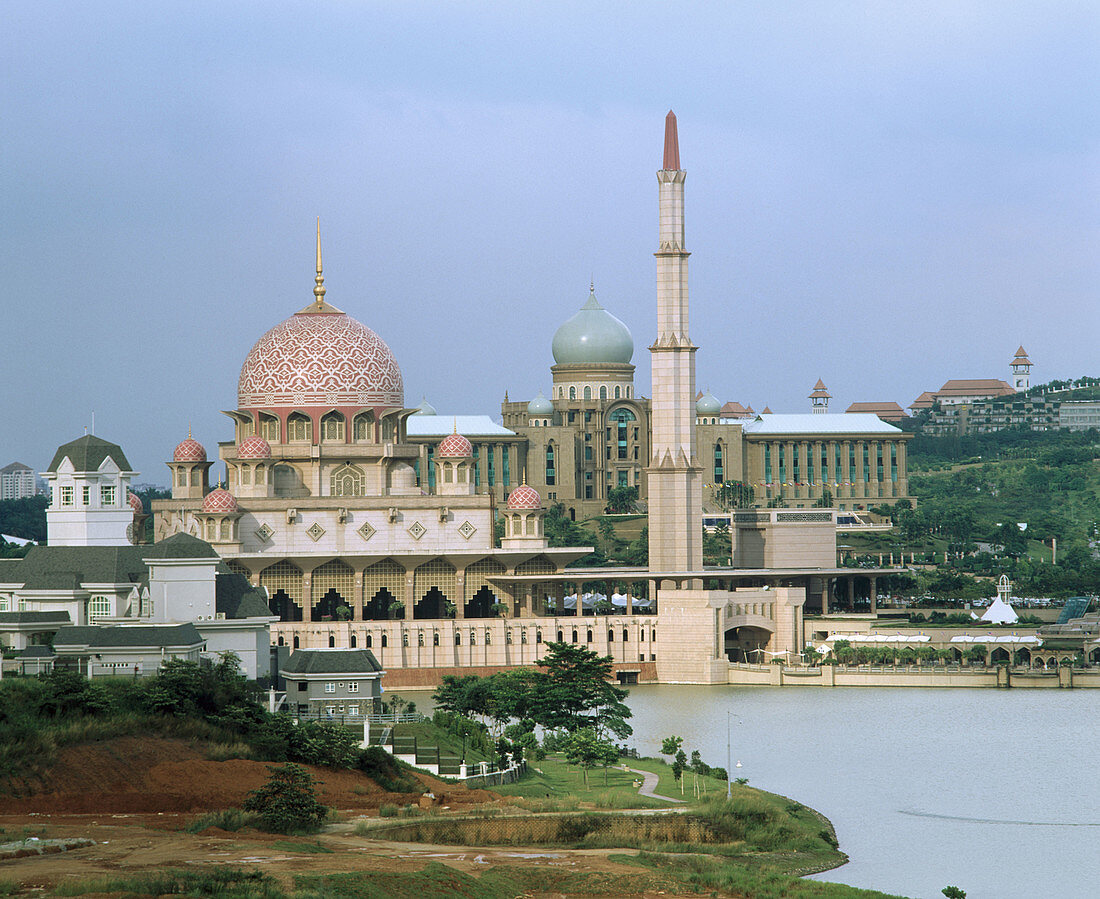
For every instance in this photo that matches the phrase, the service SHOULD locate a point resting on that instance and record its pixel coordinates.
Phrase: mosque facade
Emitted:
(372, 524)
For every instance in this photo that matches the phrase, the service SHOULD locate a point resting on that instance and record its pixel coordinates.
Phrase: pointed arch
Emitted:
(347, 480)
(333, 427)
(331, 588)
(283, 581)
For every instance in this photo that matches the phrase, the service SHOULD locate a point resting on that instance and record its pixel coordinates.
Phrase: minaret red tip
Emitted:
(672, 144)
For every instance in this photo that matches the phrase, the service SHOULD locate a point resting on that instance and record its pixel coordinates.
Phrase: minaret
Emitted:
(674, 473)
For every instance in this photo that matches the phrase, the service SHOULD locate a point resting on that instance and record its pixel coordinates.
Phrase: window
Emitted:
(370, 640)
(107, 495)
(435, 638)
(86, 496)
(588, 638)
(504, 467)
(550, 471)
(404, 639)
(330, 687)
(603, 393)
(354, 641)
(181, 477)
(332, 427)
(353, 686)
(303, 686)
(611, 635)
(488, 637)
(538, 635)
(572, 396)
(385, 641)
(588, 393)
(458, 639)
(99, 607)
(420, 639)
(299, 427)
(66, 496)
(347, 480)
(269, 429)
(353, 710)
(626, 635)
(364, 426)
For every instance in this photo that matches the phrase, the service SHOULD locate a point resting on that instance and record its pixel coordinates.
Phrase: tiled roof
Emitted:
(10, 571)
(886, 411)
(34, 618)
(66, 567)
(331, 661)
(88, 452)
(809, 423)
(963, 387)
(235, 597)
(924, 401)
(179, 546)
(128, 636)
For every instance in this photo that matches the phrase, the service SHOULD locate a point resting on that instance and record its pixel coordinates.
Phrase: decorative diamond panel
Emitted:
(315, 531)
(265, 532)
(466, 529)
(417, 530)
(366, 531)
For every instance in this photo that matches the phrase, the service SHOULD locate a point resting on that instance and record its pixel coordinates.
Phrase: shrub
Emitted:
(231, 819)
(388, 810)
(288, 802)
(386, 771)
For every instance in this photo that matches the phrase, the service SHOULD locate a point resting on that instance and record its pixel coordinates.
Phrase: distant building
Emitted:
(16, 481)
(1079, 415)
(890, 411)
(333, 682)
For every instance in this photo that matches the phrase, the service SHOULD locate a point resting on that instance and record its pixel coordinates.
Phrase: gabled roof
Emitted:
(11, 571)
(809, 423)
(87, 454)
(975, 387)
(331, 661)
(924, 401)
(886, 411)
(124, 636)
(67, 567)
(235, 597)
(421, 425)
(180, 546)
(734, 409)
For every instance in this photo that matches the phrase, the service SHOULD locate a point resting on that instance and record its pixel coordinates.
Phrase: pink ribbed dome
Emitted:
(320, 359)
(254, 447)
(524, 497)
(189, 450)
(455, 446)
(219, 500)
(135, 502)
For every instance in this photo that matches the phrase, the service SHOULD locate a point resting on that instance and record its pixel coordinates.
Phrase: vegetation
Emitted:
(288, 802)
(212, 703)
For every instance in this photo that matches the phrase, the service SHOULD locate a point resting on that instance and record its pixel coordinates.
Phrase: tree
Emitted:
(679, 765)
(577, 693)
(622, 500)
(585, 748)
(288, 802)
(953, 892)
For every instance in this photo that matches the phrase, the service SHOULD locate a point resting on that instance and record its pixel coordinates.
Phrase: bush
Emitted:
(288, 802)
(388, 810)
(231, 819)
(386, 771)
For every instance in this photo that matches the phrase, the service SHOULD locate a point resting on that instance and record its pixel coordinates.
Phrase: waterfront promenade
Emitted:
(1003, 676)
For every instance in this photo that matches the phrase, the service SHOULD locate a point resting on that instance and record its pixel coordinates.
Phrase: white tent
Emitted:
(1000, 612)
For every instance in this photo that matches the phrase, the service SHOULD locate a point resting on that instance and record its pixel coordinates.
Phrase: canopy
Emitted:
(1000, 612)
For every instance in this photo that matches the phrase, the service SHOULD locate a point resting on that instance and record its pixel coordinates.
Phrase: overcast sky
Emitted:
(883, 195)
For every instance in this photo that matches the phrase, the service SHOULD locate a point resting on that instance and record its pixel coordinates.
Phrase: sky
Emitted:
(883, 195)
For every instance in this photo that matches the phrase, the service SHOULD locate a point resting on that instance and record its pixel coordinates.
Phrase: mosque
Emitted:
(372, 524)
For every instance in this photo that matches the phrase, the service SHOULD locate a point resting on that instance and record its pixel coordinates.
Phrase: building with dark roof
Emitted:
(333, 682)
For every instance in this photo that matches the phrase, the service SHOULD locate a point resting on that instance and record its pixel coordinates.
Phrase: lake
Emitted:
(994, 791)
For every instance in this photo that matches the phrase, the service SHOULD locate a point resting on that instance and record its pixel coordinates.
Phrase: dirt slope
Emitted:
(143, 775)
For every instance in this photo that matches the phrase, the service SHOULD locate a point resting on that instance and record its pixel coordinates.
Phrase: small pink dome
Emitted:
(254, 447)
(524, 497)
(455, 446)
(219, 500)
(135, 502)
(190, 450)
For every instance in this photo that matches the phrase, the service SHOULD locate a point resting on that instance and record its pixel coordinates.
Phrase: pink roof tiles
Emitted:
(254, 447)
(219, 500)
(189, 450)
(455, 446)
(524, 497)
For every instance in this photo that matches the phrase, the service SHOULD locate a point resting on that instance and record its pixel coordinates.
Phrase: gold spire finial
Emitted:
(319, 290)
(524, 475)
(456, 424)
(189, 430)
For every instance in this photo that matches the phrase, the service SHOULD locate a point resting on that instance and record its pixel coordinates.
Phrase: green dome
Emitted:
(540, 405)
(708, 404)
(593, 336)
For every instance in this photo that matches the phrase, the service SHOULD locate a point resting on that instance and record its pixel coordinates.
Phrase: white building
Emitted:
(16, 481)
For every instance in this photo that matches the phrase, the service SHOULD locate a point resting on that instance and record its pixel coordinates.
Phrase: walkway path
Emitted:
(649, 785)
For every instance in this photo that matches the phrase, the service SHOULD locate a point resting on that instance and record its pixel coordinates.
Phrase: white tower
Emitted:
(1021, 371)
(89, 503)
(675, 476)
(819, 399)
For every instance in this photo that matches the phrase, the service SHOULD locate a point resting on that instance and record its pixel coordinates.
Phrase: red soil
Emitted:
(147, 775)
